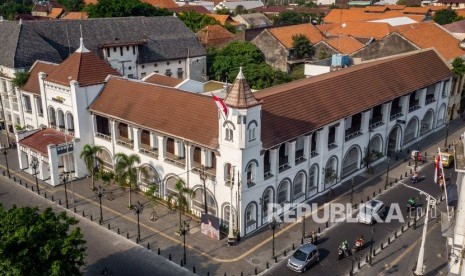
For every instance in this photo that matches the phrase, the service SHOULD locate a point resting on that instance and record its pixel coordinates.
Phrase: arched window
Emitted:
(410, 130)
(313, 180)
(330, 172)
(171, 185)
(267, 165)
(228, 131)
(149, 178)
(228, 174)
(251, 130)
(299, 185)
(70, 121)
(106, 160)
(283, 157)
(427, 123)
(267, 199)
(52, 116)
(198, 201)
(61, 119)
(283, 192)
(250, 217)
(227, 213)
(251, 168)
(351, 161)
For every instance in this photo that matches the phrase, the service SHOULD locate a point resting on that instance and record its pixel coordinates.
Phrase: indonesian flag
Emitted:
(437, 169)
(221, 105)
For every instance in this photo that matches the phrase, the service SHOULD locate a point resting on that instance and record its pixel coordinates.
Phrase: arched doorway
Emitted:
(351, 161)
(411, 130)
(198, 202)
(427, 123)
(106, 160)
(267, 198)
(283, 192)
(313, 180)
(330, 172)
(393, 140)
(149, 178)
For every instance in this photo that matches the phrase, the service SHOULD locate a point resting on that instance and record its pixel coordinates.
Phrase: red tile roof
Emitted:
(187, 8)
(55, 13)
(345, 44)
(335, 95)
(214, 35)
(362, 29)
(161, 3)
(340, 16)
(239, 95)
(284, 34)
(186, 115)
(39, 141)
(32, 84)
(76, 15)
(85, 67)
(160, 79)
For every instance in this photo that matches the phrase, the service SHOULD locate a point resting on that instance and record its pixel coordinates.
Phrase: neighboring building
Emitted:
(276, 44)
(457, 29)
(75, 15)
(191, 8)
(162, 4)
(253, 20)
(135, 46)
(184, 85)
(262, 149)
(340, 16)
(232, 5)
(453, 4)
(215, 36)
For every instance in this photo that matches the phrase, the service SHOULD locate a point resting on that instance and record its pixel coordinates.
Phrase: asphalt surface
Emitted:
(104, 248)
(330, 240)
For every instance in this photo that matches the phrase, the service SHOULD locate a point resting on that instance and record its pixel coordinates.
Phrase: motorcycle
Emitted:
(357, 246)
(343, 252)
(414, 178)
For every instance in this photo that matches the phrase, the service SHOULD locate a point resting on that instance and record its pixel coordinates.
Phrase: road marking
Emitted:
(407, 251)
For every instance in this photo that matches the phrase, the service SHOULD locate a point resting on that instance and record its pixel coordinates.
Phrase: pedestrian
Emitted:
(441, 183)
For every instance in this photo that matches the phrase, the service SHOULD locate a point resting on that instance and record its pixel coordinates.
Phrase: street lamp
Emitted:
(368, 157)
(387, 171)
(447, 126)
(416, 160)
(203, 177)
(4, 151)
(184, 229)
(137, 209)
(35, 165)
(352, 190)
(100, 192)
(65, 179)
(371, 245)
(273, 226)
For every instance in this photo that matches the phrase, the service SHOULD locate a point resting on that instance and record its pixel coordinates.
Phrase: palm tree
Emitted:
(182, 192)
(127, 170)
(89, 155)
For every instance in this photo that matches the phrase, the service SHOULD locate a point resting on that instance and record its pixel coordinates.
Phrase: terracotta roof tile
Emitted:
(32, 84)
(192, 117)
(362, 29)
(284, 34)
(429, 34)
(340, 16)
(455, 27)
(395, 7)
(162, 80)
(335, 95)
(222, 18)
(345, 44)
(417, 10)
(88, 2)
(239, 95)
(55, 13)
(326, 27)
(460, 12)
(214, 35)
(39, 141)
(161, 3)
(86, 68)
(76, 15)
(376, 8)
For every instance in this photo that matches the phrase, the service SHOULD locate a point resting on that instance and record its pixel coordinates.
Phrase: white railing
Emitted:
(103, 136)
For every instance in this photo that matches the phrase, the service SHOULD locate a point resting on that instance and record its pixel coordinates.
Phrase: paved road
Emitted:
(104, 248)
(330, 240)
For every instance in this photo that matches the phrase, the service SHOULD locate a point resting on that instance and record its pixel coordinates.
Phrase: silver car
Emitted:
(371, 211)
(303, 257)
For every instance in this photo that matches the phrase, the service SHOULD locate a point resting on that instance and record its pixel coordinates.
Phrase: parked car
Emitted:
(369, 209)
(305, 256)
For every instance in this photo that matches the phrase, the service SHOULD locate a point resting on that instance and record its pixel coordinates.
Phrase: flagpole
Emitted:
(443, 179)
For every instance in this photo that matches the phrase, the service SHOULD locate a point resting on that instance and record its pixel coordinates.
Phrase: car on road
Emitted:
(305, 256)
(370, 211)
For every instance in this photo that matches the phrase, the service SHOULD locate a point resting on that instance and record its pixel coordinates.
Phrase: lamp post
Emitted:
(231, 239)
(203, 177)
(64, 179)
(352, 190)
(34, 165)
(416, 160)
(273, 226)
(4, 150)
(447, 126)
(371, 245)
(137, 209)
(100, 192)
(368, 158)
(184, 229)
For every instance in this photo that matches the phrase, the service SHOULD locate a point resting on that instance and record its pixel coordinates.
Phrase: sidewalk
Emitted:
(207, 255)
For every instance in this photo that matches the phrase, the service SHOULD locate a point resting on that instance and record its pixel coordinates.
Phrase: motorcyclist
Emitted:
(359, 241)
(411, 202)
(415, 177)
(345, 248)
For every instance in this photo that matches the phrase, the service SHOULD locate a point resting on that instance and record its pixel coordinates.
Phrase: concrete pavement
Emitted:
(207, 255)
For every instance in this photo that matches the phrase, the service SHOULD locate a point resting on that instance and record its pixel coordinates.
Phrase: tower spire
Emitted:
(240, 95)
(82, 48)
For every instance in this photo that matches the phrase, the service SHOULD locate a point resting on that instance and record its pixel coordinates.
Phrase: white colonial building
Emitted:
(288, 143)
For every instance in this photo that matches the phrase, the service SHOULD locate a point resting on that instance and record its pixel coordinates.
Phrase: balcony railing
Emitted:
(299, 156)
(175, 160)
(332, 145)
(395, 114)
(148, 150)
(376, 121)
(313, 153)
(413, 108)
(124, 141)
(15, 106)
(429, 101)
(351, 134)
(103, 136)
(283, 163)
(209, 172)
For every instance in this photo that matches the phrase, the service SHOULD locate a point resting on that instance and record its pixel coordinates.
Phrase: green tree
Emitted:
(302, 46)
(240, 10)
(289, 18)
(223, 11)
(458, 66)
(89, 156)
(127, 171)
(123, 8)
(39, 243)
(443, 17)
(196, 21)
(10, 8)
(182, 192)
(20, 79)
(72, 5)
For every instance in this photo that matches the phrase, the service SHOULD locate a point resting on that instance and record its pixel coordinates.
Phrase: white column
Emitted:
(307, 145)
(53, 162)
(291, 153)
(161, 147)
(189, 156)
(136, 137)
(153, 140)
(274, 163)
